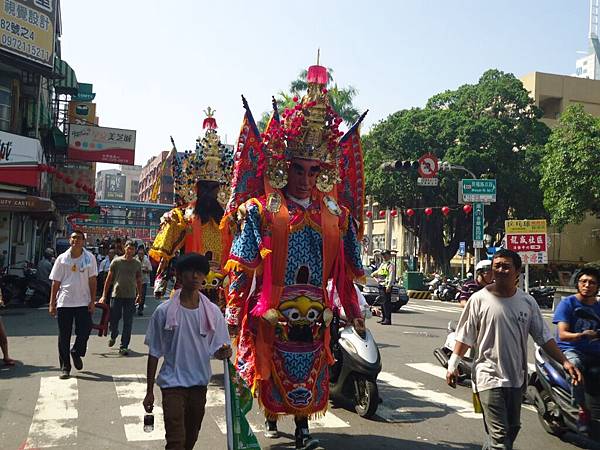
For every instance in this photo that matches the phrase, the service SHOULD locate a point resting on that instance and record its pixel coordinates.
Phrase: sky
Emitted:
(156, 65)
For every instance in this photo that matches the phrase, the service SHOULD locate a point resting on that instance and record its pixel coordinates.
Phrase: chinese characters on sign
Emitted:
(528, 238)
(27, 29)
(101, 144)
(478, 225)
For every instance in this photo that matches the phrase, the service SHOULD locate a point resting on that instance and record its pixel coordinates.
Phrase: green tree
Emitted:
(569, 168)
(491, 128)
(341, 99)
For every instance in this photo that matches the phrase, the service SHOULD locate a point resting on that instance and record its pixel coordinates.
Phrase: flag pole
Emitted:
(228, 411)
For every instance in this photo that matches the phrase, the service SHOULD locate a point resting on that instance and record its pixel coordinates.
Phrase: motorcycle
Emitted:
(449, 290)
(37, 294)
(357, 365)
(543, 295)
(14, 286)
(443, 353)
(549, 391)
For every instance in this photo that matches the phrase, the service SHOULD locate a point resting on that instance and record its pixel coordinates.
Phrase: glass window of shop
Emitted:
(5, 103)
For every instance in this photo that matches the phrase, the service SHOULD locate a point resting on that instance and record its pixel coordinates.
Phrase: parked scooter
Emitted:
(358, 363)
(442, 354)
(14, 286)
(549, 390)
(543, 295)
(37, 294)
(449, 290)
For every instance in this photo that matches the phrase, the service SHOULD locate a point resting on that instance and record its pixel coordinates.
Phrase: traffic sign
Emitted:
(428, 165)
(479, 191)
(462, 248)
(427, 181)
(478, 223)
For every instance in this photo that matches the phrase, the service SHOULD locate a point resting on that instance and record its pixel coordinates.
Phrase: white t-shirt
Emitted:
(497, 329)
(73, 275)
(186, 352)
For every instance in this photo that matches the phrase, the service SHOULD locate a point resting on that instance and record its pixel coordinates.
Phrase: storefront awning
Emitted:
(17, 202)
(66, 82)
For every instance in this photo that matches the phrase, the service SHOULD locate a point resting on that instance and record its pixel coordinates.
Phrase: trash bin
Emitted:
(413, 280)
(412, 263)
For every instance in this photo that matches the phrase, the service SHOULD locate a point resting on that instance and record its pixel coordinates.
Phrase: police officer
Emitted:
(385, 275)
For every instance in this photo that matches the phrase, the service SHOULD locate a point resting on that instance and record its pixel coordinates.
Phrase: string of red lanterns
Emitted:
(68, 180)
(410, 212)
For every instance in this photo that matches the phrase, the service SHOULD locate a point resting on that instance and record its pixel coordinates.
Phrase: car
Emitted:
(372, 291)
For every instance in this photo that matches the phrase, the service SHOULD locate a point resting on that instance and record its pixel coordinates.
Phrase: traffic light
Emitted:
(400, 164)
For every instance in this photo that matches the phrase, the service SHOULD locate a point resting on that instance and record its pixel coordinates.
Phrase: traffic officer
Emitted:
(385, 275)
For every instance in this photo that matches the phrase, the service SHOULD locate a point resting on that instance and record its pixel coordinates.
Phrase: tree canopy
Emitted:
(491, 128)
(341, 99)
(569, 168)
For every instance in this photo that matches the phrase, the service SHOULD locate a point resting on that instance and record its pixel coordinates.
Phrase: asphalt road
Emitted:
(100, 406)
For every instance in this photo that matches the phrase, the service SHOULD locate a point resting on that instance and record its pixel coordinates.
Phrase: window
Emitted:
(135, 187)
(5, 104)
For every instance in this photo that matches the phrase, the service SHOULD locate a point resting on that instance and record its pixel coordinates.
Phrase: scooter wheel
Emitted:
(366, 397)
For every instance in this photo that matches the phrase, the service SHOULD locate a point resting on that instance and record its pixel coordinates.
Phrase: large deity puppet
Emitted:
(202, 186)
(293, 223)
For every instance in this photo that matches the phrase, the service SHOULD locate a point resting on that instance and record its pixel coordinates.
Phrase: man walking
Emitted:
(125, 274)
(72, 298)
(496, 322)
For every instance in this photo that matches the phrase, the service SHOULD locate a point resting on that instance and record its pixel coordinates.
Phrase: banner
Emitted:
(27, 29)
(238, 402)
(19, 150)
(528, 238)
(101, 144)
(82, 173)
(82, 113)
(114, 186)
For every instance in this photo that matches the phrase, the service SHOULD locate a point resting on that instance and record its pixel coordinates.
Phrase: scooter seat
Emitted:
(555, 364)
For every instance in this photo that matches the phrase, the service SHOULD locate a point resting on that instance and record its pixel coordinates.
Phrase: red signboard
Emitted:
(531, 242)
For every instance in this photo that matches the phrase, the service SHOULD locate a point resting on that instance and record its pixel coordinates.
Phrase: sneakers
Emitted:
(304, 441)
(271, 431)
(64, 375)
(123, 351)
(77, 361)
(111, 342)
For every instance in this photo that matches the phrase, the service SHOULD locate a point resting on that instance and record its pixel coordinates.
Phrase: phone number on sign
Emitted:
(30, 49)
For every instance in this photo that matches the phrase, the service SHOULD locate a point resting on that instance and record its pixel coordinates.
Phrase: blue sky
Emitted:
(156, 65)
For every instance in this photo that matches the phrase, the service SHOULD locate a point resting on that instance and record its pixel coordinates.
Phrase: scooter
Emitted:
(549, 391)
(358, 363)
(442, 354)
(37, 293)
(543, 295)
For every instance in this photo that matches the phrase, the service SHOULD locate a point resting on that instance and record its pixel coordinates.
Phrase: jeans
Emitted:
(501, 416)
(121, 307)
(183, 410)
(582, 361)
(83, 327)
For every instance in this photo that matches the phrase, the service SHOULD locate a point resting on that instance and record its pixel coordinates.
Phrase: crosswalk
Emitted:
(58, 407)
(429, 306)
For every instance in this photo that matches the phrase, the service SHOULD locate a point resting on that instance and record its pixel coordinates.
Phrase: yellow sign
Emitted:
(27, 29)
(525, 226)
(82, 113)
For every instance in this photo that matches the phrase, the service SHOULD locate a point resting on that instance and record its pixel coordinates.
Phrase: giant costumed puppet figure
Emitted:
(202, 187)
(292, 225)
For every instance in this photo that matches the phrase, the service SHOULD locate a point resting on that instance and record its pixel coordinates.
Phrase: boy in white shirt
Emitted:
(186, 331)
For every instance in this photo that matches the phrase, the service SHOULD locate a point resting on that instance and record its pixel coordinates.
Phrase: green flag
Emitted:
(238, 402)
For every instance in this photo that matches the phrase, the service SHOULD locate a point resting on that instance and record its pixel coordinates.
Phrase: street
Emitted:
(100, 406)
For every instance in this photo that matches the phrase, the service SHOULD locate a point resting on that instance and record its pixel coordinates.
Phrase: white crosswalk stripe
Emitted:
(54, 421)
(430, 308)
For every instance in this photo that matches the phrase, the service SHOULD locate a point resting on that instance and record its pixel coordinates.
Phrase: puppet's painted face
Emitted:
(301, 311)
(212, 281)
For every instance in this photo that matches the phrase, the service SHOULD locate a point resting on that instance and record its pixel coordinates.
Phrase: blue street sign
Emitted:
(462, 248)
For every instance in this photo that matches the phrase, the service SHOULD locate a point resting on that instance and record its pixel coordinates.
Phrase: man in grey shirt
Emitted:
(496, 322)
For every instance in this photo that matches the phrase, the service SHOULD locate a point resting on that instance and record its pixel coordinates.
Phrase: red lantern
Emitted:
(467, 209)
(381, 214)
(428, 211)
(445, 210)
(394, 213)
(410, 212)
(42, 167)
(59, 175)
(51, 169)
(84, 188)
(68, 180)
(369, 214)
(78, 184)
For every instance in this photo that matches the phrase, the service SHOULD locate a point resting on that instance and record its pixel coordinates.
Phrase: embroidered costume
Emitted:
(182, 228)
(284, 250)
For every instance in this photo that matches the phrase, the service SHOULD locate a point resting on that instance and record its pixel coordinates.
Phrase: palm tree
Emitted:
(340, 98)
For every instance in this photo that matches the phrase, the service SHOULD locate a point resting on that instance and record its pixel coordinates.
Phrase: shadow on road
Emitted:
(21, 370)
(362, 442)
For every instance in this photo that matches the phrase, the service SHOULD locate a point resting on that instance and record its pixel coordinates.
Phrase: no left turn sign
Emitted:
(428, 165)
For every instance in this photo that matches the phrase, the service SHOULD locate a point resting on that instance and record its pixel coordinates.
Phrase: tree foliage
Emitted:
(569, 168)
(341, 99)
(491, 128)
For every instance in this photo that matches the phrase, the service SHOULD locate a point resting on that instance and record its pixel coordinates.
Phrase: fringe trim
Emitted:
(264, 252)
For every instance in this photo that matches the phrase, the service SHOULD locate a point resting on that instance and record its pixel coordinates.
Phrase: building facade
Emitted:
(119, 184)
(153, 173)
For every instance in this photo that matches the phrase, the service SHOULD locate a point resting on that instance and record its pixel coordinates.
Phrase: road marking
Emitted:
(416, 389)
(131, 390)
(427, 308)
(440, 372)
(54, 421)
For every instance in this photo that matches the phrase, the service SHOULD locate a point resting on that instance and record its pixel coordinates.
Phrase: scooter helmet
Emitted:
(483, 266)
